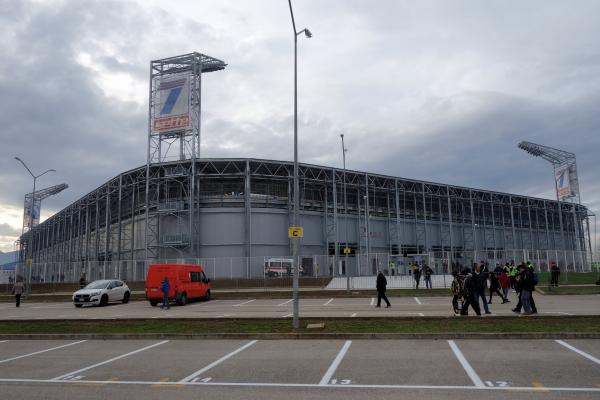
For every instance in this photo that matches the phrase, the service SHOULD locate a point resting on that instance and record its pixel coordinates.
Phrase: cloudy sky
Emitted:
(435, 90)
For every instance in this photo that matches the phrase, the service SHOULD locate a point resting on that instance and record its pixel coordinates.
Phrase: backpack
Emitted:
(456, 287)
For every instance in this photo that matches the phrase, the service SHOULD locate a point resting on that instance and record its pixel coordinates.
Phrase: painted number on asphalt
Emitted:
(497, 384)
(341, 382)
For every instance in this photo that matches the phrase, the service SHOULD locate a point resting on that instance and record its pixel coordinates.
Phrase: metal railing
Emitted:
(246, 269)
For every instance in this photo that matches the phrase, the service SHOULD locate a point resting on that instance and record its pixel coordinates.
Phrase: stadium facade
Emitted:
(242, 208)
(234, 213)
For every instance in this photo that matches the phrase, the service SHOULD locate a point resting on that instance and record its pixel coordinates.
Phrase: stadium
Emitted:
(232, 215)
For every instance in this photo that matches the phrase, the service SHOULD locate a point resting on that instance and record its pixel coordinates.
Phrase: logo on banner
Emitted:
(563, 184)
(172, 105)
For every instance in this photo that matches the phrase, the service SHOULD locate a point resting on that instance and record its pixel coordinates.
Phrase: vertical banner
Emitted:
(563, 182)
(31, 215)
(172, 104)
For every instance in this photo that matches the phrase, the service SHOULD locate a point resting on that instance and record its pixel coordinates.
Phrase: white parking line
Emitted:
(466, 366)
(285, 302)
(108, 361)
(328, 302)
(417, 300)
(245, 302)
(334, 365)
(217, 362)
(287, 315)
(580, 352)
(372, 301)
(353, 315)
(3, 341)
(556, 312)
(313, 385)
(41, 351)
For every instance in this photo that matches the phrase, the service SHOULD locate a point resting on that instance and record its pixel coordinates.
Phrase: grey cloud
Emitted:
(430, 90)
(8, 230)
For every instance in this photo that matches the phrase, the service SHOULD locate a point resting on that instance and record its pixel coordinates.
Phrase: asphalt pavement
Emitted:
(282, 308)
(301, 369)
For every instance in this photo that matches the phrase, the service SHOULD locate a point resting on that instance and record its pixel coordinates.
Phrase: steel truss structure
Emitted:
(108, 224)
(182, 144)
(36, 202)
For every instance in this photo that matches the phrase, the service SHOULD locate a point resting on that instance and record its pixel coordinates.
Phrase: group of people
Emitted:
(469, 286)
(425, 271)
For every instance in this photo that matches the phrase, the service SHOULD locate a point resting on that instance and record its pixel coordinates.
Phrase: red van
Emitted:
(187, 282)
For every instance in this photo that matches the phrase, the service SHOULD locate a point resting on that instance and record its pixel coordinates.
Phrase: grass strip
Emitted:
(546, 324)
(569, 290)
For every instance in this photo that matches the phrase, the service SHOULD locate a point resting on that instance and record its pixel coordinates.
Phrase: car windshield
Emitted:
(97, 285)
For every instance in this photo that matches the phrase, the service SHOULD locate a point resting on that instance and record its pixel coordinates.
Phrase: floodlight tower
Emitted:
(174, 115)
(566, 181)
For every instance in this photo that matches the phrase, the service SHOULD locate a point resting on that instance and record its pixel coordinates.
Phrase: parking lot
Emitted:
(282, 308)
(482, 369)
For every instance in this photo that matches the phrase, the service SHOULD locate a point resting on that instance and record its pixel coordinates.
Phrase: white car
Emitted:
(101, 293)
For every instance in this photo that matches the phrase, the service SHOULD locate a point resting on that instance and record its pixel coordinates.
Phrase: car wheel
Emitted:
(104, 300)
(78, 305)
(153, 303)
(126, 298)
(207, 297)
(182, 299)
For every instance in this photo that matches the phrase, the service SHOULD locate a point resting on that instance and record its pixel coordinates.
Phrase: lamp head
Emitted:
(307, 33)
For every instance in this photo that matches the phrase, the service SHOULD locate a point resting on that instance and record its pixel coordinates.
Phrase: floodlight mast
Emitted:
(558, 158)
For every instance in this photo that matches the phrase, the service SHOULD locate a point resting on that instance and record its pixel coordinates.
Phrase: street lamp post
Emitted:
(296, 295)
(346, 250)
(368, 233)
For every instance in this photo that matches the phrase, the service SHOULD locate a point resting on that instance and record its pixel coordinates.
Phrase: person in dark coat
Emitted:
(480, 280)
(416, 275)
(554, 273)
(495, 287)
(381, 286)
(469, 294)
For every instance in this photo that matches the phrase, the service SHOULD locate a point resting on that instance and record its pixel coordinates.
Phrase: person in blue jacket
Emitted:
(165, 287)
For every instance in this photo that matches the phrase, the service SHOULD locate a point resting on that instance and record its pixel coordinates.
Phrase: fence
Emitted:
(316, 266)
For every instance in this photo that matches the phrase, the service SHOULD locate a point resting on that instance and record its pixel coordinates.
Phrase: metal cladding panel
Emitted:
(313, 230)
(269, 227)
(224, 227)
(378, 233)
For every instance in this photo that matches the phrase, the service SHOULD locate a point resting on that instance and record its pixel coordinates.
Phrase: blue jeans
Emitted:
(526, 300)
(165, 303)
(485, 304)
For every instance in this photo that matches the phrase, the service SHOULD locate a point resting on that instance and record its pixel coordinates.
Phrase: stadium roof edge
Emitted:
(241, 159)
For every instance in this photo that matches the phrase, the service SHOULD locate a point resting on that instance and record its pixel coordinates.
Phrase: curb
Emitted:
(307, 336)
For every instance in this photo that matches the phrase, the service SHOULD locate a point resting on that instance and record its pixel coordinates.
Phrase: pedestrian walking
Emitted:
(554, 275)
(416, 275)
(457, 290)
(504, 281)
(469, 294)
(529, 286)
(165, 287)
(381, 285)
(82, 281)
(524, 284)
(512, 274)
(18, 290)
(480, 280)
(427, 271)
(495, 287)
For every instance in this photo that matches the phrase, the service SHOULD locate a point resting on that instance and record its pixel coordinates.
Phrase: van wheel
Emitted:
(183, 299)
(126, 298)
(207, 297)
(104, 300)
(153, 303)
